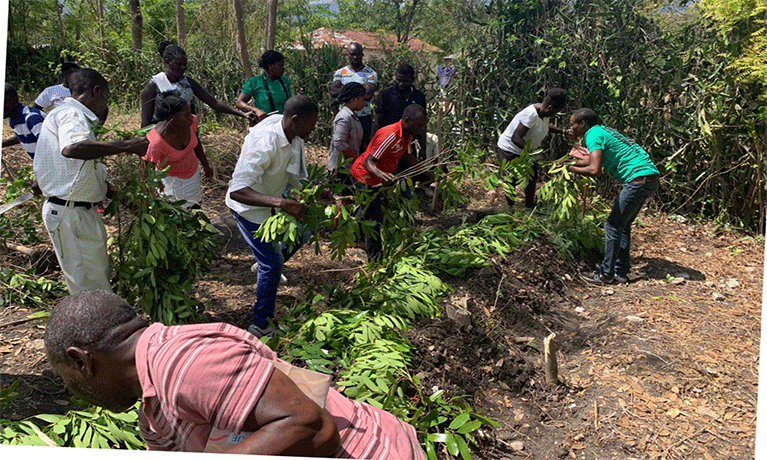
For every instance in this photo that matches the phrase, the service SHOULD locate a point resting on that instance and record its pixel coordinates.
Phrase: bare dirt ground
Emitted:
(664, 367)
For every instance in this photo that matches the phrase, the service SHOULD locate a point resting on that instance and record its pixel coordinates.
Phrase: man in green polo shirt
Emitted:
(627, 162)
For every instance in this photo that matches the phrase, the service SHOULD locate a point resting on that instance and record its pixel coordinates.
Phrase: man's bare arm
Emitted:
(247, 195)
(11, 141)
(286, 422)
(335, 88)
(590, 165)
(90, 149)
(370, 165)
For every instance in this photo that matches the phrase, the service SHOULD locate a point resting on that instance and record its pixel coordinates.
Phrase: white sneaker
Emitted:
(254, 269)
(268, 331)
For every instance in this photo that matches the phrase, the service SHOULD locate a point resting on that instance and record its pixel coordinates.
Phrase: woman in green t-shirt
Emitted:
(270, 90)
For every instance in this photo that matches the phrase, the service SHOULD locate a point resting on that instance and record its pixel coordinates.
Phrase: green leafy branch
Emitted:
(162, 250)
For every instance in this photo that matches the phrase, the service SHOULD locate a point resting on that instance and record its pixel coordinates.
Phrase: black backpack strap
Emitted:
(269, 94)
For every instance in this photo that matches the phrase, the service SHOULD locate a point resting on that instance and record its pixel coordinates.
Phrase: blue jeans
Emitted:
(270, 258)
(618, 227)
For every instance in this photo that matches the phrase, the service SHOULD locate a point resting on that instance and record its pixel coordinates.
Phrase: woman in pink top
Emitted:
(173, 142)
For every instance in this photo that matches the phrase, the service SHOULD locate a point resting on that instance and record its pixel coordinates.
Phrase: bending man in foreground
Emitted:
(628, 163)
(194, 378)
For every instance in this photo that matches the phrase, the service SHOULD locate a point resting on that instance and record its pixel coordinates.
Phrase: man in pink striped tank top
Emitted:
(197, 381)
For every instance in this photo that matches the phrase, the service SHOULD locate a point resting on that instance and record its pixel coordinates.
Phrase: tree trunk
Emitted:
(242, 45)
(180, 23)
(404, 19)
(11, 35)
(60, 21)
(136, 24)
(102, 31)
(408, 22)
(271, 24)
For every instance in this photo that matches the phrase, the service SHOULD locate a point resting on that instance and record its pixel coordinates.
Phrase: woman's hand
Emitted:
(207, 174)
(252, 117)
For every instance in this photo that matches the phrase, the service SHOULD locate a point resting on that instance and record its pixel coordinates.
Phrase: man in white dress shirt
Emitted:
(69, 175)
(272, 157)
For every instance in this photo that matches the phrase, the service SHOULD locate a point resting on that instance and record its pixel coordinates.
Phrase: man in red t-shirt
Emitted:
(376, 166)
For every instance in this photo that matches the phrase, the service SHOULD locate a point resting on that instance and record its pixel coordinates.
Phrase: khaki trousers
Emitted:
(80, 241)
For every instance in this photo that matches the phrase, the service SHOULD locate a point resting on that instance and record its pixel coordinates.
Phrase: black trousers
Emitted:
(367, 127)
(530, 189)
(374, 212)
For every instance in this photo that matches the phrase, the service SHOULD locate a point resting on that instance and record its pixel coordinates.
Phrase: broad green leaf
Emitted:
(451, 444)
(459, 421)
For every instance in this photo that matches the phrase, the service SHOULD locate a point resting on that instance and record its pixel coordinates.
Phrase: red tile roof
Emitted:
(369, 40)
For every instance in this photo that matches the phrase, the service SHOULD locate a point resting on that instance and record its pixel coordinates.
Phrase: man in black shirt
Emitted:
(391, 102)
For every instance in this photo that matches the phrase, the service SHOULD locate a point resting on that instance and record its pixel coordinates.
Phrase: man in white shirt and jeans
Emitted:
(69, 175)
(272, 157)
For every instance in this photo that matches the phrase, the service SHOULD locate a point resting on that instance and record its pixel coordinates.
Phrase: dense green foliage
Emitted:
(27, 288)
(686, 81)
(91, 427)
(670, 90)
(160, 252)
(20, 224)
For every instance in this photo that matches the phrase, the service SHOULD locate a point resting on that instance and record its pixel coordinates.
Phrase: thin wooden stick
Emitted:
(421, 166)
(435, 196)
(596, 415)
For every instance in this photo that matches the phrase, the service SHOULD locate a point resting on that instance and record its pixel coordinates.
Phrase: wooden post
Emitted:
(435, 196)
(32, 253)
(550, 359)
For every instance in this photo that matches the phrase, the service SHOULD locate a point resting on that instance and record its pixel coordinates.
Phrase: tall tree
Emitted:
(180, 23)
(271, 24)
(405, 12)
(59, 20)
(744, 24)
(137, 24)
(242, 45)
(102, 31)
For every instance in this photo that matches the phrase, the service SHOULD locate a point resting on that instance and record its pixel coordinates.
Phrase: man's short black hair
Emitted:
(10, 91)
(407, 70)
(587, 115)
(300, 105)
(68, 68)
(86, 320)
(82, 80)
(413, 111)
(556, 97)
(354, 45)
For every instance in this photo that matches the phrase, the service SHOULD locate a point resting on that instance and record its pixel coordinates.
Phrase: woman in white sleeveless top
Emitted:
(173, 80)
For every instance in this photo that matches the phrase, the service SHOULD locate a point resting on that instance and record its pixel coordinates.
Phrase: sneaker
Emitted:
(428, 191)
(267, 331)
(254, 269)
(596, 278)
(621, 279)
